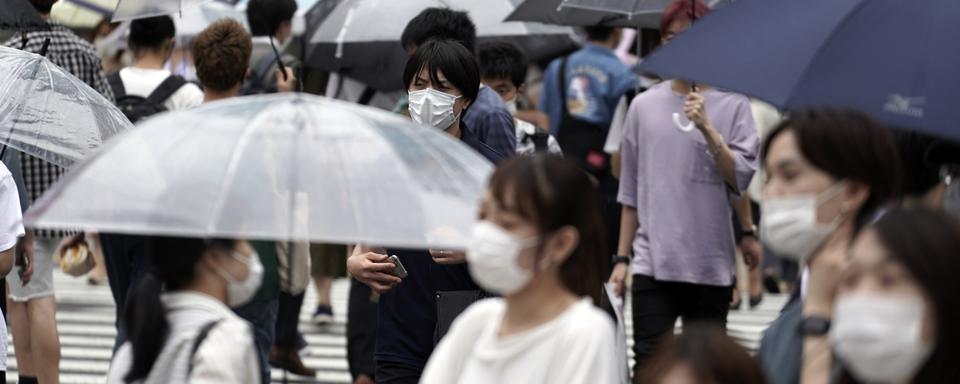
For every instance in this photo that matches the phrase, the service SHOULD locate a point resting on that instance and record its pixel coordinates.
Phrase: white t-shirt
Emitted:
(524, 128)
(576, 347)
(141, 82)
(11, 228)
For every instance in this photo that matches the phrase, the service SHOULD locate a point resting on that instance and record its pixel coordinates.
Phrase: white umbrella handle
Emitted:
(683, 128)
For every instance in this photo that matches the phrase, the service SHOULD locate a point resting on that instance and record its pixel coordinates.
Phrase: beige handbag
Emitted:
(77, 260)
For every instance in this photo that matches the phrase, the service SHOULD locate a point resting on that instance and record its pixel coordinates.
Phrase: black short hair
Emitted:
(440, 23)
(43, 7)
(450, 57)
(502, 60)
(922, 157)
(846, 144)
(151, 33)
(597, 33)
(265, 16)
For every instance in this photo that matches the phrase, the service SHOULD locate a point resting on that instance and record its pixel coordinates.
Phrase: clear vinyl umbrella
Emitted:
(279, 167)
(48, 113)
(138, 9)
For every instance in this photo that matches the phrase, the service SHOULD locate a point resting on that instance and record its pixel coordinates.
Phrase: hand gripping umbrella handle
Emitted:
(683, 128)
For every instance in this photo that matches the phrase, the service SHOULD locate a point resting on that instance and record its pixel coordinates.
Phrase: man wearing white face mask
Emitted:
(503, 67)
(443, 82)
(829, 172)
(180, 325)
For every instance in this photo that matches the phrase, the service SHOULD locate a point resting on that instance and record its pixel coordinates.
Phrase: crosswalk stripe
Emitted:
(85, 320)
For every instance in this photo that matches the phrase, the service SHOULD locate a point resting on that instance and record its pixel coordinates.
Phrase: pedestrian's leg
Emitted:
(654, 314)
(361, 331)
(285, 349)
(98, 275)
(263, 316)
(396, 373)
(324, 313)
(44, 339)
(327, 262)
(707, 303)
(20, 329)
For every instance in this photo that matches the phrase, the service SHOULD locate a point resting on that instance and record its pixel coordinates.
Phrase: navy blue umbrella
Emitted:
(896, 60)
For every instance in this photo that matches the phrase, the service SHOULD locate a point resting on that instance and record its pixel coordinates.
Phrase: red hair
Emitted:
(680, 10)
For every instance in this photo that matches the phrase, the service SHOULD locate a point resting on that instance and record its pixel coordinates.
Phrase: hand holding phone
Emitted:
(398, 269)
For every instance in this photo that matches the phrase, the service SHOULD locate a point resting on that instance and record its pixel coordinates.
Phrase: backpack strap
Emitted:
(201, 335)
(166, 89)
(116, 85)
(561, 82)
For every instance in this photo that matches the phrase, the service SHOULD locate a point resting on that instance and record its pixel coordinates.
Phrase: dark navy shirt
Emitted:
(488, 127)
(408, 312)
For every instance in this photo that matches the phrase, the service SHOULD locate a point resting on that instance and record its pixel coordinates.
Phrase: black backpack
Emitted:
(137, 108)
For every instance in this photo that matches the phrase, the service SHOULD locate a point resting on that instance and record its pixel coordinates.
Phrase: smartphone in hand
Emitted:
(398, 269)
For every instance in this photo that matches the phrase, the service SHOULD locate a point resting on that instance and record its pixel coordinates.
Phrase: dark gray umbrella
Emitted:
(20, 15)
(342, 37)
(611, 13)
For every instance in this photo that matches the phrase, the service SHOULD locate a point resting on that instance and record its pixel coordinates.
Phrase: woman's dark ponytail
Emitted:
(146, 326)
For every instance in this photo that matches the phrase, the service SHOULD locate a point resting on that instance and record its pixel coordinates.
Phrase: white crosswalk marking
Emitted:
(85, 318)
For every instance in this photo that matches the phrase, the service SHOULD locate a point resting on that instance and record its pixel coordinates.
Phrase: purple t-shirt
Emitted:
(685, 233)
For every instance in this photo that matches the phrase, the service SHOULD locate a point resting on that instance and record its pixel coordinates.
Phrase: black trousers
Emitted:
(396, 373)
(288, 317)
(610, 211)
(658, 304)
(127, 263)
(361, 330)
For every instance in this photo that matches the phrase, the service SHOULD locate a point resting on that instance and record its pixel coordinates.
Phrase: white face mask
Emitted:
(492, 259)
(432, 107)
(512, 105)
(240, 292)
(878, 337)
(788, 225)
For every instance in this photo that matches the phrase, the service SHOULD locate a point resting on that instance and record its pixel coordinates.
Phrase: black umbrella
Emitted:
(20, 15)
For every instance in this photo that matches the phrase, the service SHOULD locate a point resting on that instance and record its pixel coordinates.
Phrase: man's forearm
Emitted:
(628, 230)
(722, 156)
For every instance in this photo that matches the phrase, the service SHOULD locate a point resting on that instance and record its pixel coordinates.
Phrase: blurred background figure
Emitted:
(31, 304)
(579, 96)
(503, 67)
(327, 262)
(271, 24)
(829, 173)
(896, 304)
(702, 354)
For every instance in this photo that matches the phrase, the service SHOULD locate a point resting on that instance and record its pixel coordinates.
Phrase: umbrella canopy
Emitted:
(611, 13)
(82, 13)
(138, 9)
(48, 113)
(20, 15)
(840, 53)
(188, 25)
(280, 167)
(345, 42)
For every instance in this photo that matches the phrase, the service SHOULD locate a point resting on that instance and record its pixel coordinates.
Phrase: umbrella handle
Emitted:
(683, 128)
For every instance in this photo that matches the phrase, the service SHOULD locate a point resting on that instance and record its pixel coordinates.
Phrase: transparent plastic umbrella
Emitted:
(48, 113)
(138, 9)
(188, 26)
(277, 167)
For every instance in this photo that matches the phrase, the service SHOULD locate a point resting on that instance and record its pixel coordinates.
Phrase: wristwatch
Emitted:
(752, 232)
(814, 326)
(620, 259)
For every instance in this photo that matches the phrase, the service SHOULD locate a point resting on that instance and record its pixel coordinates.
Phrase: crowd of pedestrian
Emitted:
(600, 176)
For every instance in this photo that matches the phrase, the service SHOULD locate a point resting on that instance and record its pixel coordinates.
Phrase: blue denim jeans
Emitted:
(263, 316)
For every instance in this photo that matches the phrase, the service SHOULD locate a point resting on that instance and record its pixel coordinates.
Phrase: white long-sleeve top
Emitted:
(226, 355)
(576, 347)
